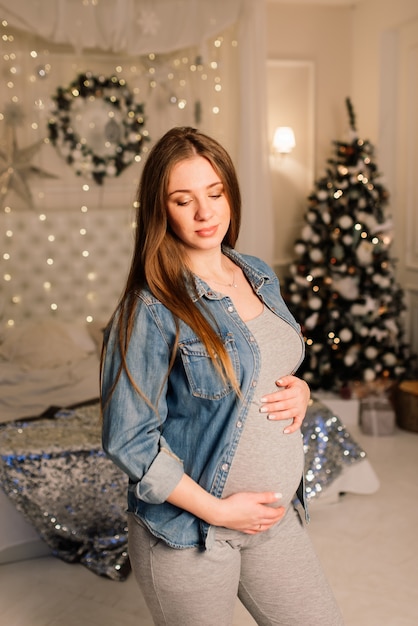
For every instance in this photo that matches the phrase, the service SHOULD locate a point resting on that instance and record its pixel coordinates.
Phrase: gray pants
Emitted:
(276, 575)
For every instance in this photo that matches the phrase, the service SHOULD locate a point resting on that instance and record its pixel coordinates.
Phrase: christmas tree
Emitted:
(342, 286)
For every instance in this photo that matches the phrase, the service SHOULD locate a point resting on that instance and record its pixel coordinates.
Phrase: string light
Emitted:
(28, 68)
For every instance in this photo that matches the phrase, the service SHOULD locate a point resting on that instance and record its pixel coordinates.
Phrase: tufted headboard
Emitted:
(65, 264)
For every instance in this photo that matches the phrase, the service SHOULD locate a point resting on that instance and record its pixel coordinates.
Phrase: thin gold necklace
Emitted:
(233, 284)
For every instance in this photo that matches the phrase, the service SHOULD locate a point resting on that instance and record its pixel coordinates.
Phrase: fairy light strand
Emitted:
(177, 79)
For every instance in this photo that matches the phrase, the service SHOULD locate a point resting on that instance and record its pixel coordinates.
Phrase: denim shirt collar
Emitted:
(256, 278)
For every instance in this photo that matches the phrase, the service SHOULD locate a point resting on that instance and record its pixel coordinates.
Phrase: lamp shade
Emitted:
(284, 139)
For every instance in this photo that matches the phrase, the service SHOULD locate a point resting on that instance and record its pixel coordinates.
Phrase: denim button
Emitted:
(230, 309)
(225, 467)
(239, 424)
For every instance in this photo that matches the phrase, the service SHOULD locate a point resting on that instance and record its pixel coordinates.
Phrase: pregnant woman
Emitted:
(202, 410)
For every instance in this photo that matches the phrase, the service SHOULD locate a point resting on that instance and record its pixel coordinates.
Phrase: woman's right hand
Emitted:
(250, 512)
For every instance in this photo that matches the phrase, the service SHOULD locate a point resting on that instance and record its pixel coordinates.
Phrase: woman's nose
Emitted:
(203, 211)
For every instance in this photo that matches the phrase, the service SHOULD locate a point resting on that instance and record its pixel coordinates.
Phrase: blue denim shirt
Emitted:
(200, 419)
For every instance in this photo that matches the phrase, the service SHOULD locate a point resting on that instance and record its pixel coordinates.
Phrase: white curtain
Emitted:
(130, 27)
(257, 233)
(138, 27)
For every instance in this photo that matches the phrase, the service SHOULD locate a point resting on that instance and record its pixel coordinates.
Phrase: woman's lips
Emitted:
(207, 232)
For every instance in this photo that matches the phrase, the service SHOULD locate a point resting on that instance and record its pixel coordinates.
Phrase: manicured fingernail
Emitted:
(270, 417)
(263, 409)
(287, 431)
(279, 381)
(278, 496)
(263, 399)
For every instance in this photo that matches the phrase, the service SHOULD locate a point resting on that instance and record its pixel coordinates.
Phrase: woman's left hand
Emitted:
(289, 402)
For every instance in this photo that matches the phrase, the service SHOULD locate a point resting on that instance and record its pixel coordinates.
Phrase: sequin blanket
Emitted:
(57, 475)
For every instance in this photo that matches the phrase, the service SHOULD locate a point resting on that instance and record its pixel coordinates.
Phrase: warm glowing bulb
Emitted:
(284, 140)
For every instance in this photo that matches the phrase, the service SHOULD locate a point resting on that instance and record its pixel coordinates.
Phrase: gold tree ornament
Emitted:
(16, 167)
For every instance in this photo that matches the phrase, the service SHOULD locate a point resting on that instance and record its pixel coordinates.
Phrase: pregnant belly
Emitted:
(267, 460)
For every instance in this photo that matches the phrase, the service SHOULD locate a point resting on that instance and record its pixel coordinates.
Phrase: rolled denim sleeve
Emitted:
(133, 422)
(163, 475)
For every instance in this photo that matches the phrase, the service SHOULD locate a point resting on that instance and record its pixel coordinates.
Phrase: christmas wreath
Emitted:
(96, 126)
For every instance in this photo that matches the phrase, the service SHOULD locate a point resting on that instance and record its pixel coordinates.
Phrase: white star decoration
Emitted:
(149, 22)
(16, 167)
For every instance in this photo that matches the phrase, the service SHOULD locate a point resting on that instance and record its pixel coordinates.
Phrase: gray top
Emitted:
(267, 459)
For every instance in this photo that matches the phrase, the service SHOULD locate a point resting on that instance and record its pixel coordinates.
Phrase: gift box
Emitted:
(406, 405)
(377, 416)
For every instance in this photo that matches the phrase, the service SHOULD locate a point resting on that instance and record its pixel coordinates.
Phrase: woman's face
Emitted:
(197, 208)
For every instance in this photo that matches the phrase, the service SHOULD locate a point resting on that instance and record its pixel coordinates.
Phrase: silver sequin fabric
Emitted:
(57, 475)
(329, 449)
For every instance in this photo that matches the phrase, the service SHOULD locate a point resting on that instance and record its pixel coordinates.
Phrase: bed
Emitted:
(60, 494)
(51, 463)
(47, 362)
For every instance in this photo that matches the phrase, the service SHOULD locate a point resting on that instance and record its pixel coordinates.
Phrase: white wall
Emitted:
(360, 50)
(385, 86)
(320, 37)
(371, 19)
(321, 34)
(345, 42)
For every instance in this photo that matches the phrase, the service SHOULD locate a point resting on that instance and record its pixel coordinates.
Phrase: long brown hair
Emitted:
(159, 260)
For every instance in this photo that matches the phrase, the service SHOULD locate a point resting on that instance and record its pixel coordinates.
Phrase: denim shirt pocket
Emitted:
(204, 380)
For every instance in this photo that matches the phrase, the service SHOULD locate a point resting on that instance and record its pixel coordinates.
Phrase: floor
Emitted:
(368, 546)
